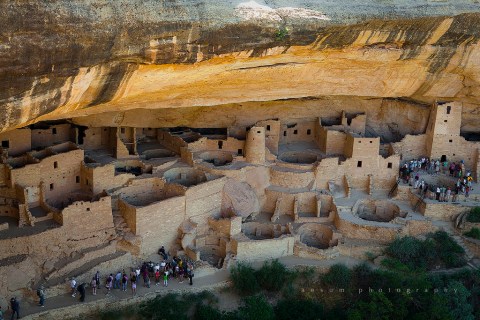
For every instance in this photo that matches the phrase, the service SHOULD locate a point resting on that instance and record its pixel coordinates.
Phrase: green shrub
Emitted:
(473, 233)
(417, 255)
(298, 309)
(474, 215)
(256, 307)
(338, 276)
(407, 250)
(244, 280)
(273, 276)
(207, 312)
(170, 306)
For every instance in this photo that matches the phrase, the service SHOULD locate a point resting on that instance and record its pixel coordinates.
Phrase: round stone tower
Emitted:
(255, 145)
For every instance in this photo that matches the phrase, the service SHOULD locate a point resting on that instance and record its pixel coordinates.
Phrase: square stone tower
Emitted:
(443, 131)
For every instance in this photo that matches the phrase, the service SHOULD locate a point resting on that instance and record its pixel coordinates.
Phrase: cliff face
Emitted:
(105, 64)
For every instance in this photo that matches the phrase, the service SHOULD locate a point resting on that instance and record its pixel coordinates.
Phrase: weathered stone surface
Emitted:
(70, 59)
(240, 198)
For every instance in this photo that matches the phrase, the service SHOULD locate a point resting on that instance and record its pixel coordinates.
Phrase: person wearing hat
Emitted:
(15, 308)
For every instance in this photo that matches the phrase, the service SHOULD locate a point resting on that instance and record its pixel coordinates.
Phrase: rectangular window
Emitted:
(220, 144)
(268, 127)
(284, 133)
(295, 131)
(122, 130)
(55, 164)
(448, 109)
(5, 144)
(450, 141)
(259, 132)
(51, 186)
(444, 120)
(309, 131)
(88, 209)
(86, 182)
(77, 179)
(359, 164)
(389, 166)
(54, 130)
(240, 151)
(371, 141)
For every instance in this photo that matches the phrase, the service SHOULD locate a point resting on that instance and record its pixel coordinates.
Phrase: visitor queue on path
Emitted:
(162, 272)
(410, 173)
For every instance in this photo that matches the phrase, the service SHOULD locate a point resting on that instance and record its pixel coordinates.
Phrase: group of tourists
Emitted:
(164, 271)
(15, 307)
(410, 173)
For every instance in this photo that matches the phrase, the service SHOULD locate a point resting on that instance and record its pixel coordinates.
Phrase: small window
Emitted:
(122, 130)
(259, 131)
(449, 109)
(454, 156)
(240, 152)
(77, 179)
(220, 144)
(450, 141)
(54, 130)
(389, 165)
(359, 164)
(444, 120)
(359, 141)
(86, 182)
(309, 131)
(268, 127)
(295, 131)
(51, 186)
(55, 164)
(88, 209)
(6, 144)
(284, 133)
(371, 141)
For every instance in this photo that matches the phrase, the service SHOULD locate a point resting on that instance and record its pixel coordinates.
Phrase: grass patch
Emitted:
(474, 215)
(473, 233)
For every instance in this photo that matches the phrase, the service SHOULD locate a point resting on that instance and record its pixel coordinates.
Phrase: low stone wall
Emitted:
(303, 251)
(250, 250)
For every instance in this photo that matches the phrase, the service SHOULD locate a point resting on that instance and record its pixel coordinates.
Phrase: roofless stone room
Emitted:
(211, 159)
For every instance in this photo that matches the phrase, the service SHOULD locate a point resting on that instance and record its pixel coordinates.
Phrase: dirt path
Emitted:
(33, 311)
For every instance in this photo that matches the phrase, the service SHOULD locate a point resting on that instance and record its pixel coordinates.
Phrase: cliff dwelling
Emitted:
(262, 138)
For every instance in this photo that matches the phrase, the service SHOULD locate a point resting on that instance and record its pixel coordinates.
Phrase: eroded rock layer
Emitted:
(105, 64)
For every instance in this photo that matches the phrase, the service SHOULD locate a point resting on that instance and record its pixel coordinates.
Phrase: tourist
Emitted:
(190, 273)
(94, 286)
(157, 277)
(134, 285)
(165, 278)
(97, 278)
(124, 281)
(146, 278)
(41, 295)
(437, 192)
(1, 313)
(448, 194)
(118, 278)
(81, 290)
(162, 252)
(109, 283)
(15, 305)
(137, 274)
(73, 286)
